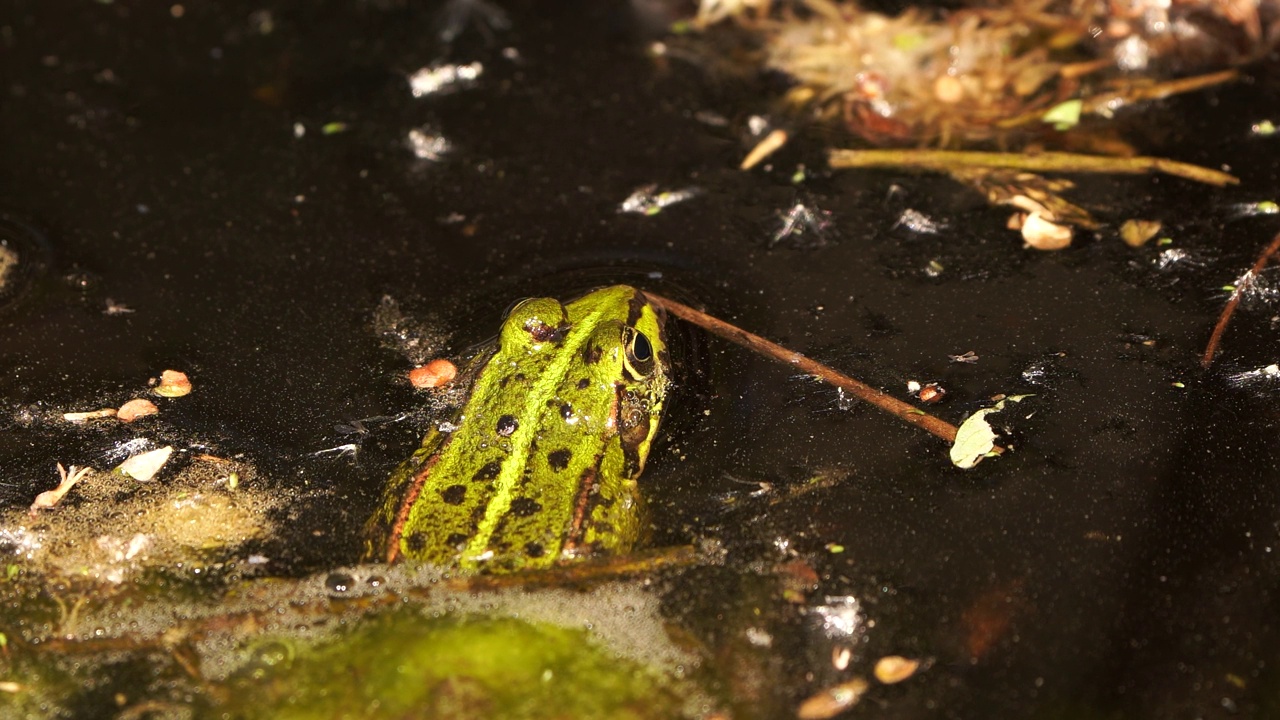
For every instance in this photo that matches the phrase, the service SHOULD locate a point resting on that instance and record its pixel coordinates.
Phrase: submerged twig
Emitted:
(947, 160)
(903, 411)
(1241, 287)
(1134, 93)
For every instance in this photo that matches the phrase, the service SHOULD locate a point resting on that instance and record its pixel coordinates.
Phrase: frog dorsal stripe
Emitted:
(544, 389)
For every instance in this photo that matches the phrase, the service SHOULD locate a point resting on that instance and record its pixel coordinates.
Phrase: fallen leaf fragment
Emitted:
(1043, 234)
(50, 498)
(136, 408)
(975, 439)
(892, 669)
(173, 384)
(832, 701)
(145, 466)
(434, 374)
(79, 417)
(1136, 233)
(1064, 116)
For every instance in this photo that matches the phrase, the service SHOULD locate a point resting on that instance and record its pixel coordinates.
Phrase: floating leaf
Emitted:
(1043, 234)
(173, 384)
(975, 439)
(136, 408)
(1064, 116)
(833, 700)
(145, 466)
(434, 374)
(895, 668)
(1136, 233)
(50, 498)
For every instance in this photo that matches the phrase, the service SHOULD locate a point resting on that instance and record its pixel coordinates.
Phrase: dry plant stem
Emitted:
(1163, 90)
(901, 410)
(946, 160)
(1241, 287)
(1128, 95)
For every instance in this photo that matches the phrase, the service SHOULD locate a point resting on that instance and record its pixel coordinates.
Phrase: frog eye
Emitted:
(638, 357)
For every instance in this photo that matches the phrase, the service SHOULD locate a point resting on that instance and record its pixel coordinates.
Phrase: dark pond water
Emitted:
(1122, 562)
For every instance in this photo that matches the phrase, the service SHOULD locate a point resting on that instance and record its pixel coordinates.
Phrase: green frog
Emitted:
(540, 464)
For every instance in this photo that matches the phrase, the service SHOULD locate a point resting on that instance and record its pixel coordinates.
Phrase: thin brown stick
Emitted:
(901, 410)
(946, 160)
(1162, 90)
(1242, 286)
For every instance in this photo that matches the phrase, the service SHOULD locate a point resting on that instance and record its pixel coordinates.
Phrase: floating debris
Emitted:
(646, 201)
(1263, 128)
(346, 450)
(333, 128)
(1268, 375)
(711, 118)
(1064, 116)
(50, 498)
(79, 417)
(895, 668)
(932, 393)
(833, 700)
(763, 149)
(136, 408)
(841, 655)
(1136, 233)
(976, 439)
(1041, 233)
(145, 466)
(987, 72)
(428, 145)
(433, 375)
(804, 226)
(173, 384)
(918, 222)
(839, 617)
(443, 79)
(1172, 257)
(969, 357)
(115, 308)
(1262, 207)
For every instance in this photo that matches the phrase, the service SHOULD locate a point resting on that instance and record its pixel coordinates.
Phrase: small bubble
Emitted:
(339, 582)
(272, 654)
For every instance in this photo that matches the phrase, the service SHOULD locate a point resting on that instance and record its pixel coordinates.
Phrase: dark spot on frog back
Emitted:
(559, 459)
(488, 471)
(525, 507)
(454, 494)
(591, 354)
